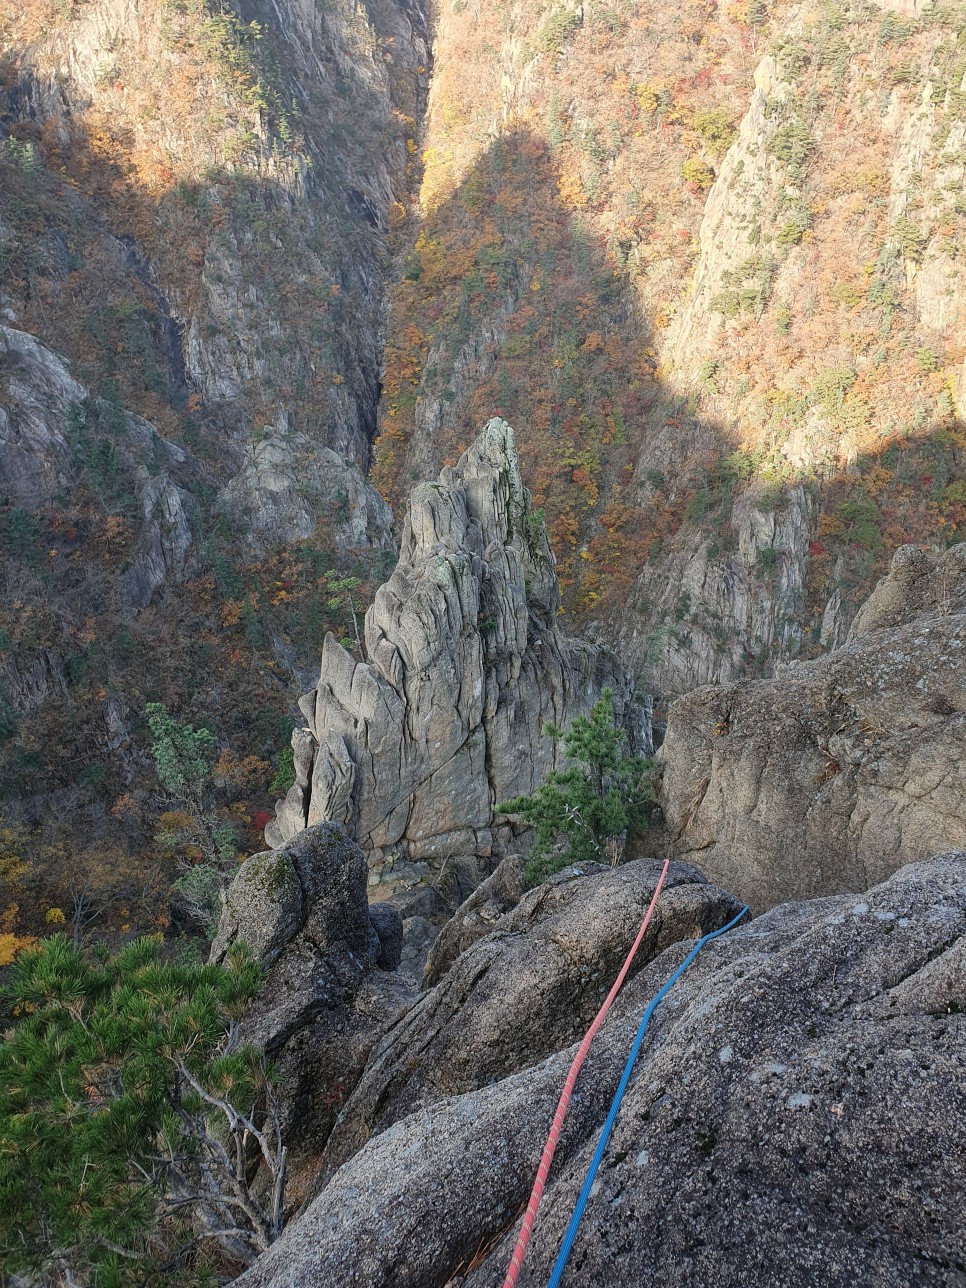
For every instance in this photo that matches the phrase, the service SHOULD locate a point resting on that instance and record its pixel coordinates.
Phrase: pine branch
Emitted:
(226, 1176)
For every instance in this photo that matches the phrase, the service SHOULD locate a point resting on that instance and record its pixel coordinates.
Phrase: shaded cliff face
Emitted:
(234, 168)
(711, 258)
(414, 747)
(49, 421)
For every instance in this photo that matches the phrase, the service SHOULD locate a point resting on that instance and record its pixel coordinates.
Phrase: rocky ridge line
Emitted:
(797, 1117)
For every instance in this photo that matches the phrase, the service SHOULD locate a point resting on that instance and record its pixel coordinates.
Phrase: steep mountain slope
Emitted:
(195, 203)
(706, 258)
(857, 755)
(245, 159)
(710, 261)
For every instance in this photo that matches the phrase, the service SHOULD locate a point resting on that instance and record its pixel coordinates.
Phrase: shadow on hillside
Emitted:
(509, 303)
(249, 287)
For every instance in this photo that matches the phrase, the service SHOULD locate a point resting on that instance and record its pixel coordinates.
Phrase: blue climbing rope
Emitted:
(560, 1264)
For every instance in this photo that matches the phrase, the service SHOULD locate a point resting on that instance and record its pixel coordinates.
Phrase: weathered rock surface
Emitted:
(237, 303)
(917, 585)
(287, 482)
(412, 748)
(419, 935)
(47, 422)
(527, 989)
(710, 614)
(35, 461)
(798, 1117)
(838, 771)
(303, 913)
(388, 925)
(476, 916)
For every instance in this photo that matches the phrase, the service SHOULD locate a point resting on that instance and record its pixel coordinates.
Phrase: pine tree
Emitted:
(184, 758)
(757, 12)
(128, 1115)
(593, 804)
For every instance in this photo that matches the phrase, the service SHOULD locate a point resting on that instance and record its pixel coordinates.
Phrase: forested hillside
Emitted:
(194, 209)
(451, 453)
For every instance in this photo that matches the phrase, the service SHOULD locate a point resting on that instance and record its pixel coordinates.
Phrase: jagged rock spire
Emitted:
(411, 748)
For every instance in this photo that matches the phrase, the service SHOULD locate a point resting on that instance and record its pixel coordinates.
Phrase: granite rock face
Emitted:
(918, 585)
(303, 913)
(476, 916)
(797, 1117)
(287, 482)
(528, 988)
(48, 421)
(387, 922)
(237, 334)
(838, 771)
(412, 748)
(711, 611)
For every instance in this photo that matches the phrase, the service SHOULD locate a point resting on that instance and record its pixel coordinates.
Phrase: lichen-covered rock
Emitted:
(263, 907)
(316, 884)
(530, 987)
(303, 913)
(918, 584)
(838, 771)
(412, 748)
(797, 1117)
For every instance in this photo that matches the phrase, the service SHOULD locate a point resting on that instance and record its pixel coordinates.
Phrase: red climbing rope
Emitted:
(543, 1171)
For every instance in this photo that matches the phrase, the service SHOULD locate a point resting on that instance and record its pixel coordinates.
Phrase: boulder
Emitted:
(303, 913)
(526, 989)
(797, 1117)
(836, 772)
(388, 924)
(918, 584)
(419, 934)
(413, 747)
